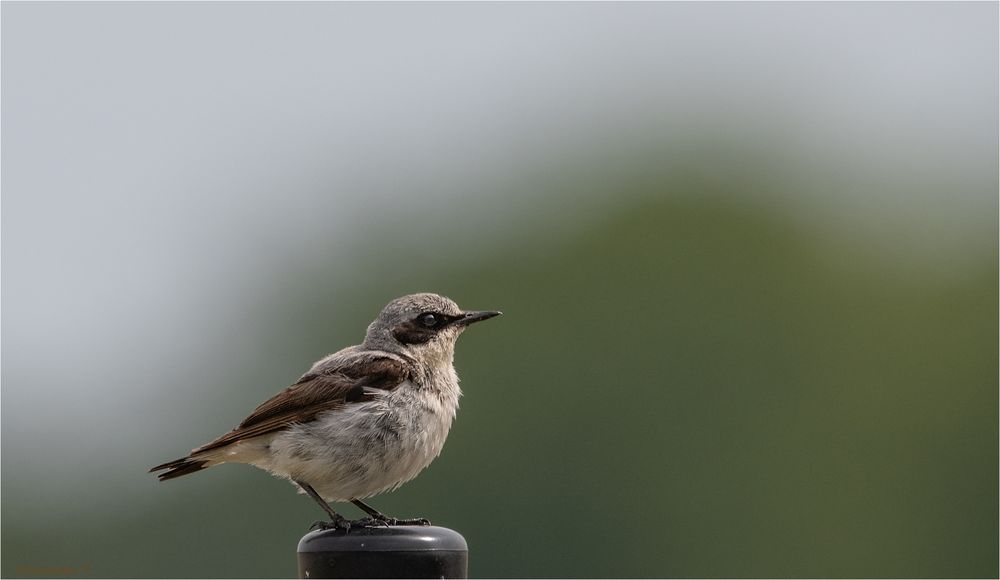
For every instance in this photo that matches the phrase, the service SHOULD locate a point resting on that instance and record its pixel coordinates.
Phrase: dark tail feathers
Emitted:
(179, 467)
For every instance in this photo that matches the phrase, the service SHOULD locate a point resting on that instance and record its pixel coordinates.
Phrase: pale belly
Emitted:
(364, 449)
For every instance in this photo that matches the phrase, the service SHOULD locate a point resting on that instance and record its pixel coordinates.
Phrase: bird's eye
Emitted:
(428, 320)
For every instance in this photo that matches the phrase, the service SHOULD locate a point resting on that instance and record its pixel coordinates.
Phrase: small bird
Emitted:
(361, 421)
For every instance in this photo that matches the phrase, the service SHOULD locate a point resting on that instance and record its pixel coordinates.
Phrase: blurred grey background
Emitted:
(747, 255)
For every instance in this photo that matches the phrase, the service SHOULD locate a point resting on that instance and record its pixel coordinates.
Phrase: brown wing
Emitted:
(333, 388)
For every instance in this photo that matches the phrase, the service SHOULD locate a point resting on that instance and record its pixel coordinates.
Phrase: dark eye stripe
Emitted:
(413, 333)
(436, 320)
(422, 327)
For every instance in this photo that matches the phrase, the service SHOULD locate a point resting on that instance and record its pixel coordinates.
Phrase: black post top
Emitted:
(393, 552)
(390, 539)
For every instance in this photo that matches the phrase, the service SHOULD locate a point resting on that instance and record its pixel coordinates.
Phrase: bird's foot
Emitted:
(386, 521)
(409, 522)
(370, 522)
(338, 523)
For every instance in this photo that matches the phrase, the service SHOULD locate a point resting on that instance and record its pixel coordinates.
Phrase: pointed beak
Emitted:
(475, 316)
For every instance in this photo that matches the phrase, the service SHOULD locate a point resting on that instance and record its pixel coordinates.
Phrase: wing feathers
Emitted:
(179, 467)
(346, 378)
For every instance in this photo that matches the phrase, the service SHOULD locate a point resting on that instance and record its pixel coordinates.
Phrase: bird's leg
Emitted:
(337, 521)
(375, 517)
(374, 513)
(379, 517)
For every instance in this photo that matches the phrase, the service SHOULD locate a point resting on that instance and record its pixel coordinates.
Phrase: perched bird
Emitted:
(361, 421)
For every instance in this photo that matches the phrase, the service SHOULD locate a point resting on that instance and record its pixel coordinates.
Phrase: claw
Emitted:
(337, 524)
(370, 522)
(411, 522)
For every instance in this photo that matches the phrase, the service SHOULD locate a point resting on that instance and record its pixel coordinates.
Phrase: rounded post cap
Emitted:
(390, 539)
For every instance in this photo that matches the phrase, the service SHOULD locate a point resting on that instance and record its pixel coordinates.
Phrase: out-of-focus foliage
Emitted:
(690, 386)
(747, 255)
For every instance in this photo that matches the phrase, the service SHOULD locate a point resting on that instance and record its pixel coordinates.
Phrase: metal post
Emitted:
(393, 552)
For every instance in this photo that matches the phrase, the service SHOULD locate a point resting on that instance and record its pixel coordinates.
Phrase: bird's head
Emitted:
(424, 326)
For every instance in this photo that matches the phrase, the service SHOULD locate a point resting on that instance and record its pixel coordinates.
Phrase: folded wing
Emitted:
(344, 380)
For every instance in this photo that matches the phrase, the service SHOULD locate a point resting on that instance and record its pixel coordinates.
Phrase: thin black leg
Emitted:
(374, 513)
(336, 520)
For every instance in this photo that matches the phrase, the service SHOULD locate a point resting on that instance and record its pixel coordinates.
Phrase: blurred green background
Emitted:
(747, 255)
